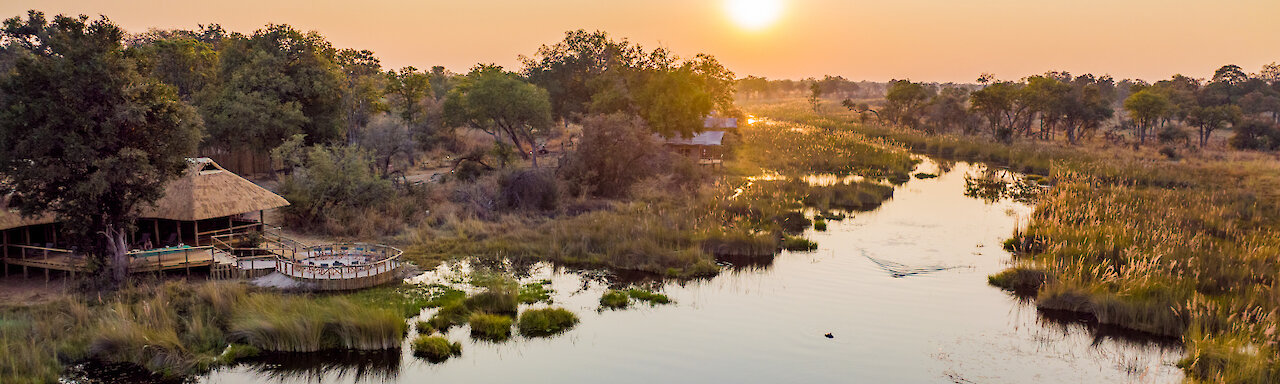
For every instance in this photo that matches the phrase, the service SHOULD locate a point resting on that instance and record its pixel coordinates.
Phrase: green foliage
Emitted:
(490, 327)
(615, 153)
(83, 135)
(819, 225)
(1256, 134)
(546, 322)
(1021, 280)
(499, 299)
(405, 90)
(435, 348)
(653, 298)
(614, 299)
(501, 103)
(1146, 107)
(449, 315)
(332, 177)
(535, 292)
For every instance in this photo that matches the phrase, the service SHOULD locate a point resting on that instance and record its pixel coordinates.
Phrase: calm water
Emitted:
(902, 289)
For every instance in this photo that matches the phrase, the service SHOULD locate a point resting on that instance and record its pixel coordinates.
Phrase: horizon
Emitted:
(1156, 41)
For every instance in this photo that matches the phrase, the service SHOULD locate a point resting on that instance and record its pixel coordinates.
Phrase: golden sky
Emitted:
(924, 40)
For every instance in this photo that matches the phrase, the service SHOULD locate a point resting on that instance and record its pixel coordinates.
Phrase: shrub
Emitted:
(435, 348)
(490, 327)
(614, 299)
(546, 321)
(331, 177)
(529, 189)
(819, 224)
(616, 151)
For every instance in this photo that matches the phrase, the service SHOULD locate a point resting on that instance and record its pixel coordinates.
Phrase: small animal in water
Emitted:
(829, 335)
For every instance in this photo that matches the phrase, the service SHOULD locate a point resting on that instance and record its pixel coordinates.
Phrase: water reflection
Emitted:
(992, 185)
(317, 367)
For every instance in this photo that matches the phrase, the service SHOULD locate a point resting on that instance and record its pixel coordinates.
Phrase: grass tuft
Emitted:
(435, 348)
(546, 322)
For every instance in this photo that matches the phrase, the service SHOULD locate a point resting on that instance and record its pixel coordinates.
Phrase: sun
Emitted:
(754, 14)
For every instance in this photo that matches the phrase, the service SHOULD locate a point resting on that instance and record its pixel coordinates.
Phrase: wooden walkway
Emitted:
(69, 262)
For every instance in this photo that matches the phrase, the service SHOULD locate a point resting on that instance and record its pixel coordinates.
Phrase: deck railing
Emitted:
(384, 262)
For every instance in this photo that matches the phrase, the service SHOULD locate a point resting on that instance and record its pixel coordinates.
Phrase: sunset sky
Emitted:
(924, 40)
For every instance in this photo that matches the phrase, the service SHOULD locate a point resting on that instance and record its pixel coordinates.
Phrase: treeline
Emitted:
(1178, 111)
(752, 87)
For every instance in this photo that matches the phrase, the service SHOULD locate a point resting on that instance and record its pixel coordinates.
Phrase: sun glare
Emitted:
(754, 14)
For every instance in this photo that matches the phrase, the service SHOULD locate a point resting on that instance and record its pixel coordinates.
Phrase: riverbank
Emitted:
(1184, 246)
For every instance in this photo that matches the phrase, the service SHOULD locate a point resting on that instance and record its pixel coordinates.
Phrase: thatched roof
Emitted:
(205, 191)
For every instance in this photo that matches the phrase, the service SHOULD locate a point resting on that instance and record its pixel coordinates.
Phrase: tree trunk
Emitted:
(117, 253)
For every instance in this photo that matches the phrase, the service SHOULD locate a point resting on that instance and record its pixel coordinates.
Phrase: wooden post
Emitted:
(197, 231)
(186, 262)
(155, 236)
(180, 241)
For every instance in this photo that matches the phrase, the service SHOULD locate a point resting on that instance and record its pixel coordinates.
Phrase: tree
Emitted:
(362, 92)
(567, 68)
(500, 103)
(860, 108)
(1146, 107)
(405, 90)
(815, 96)
(187, 64)
(276, 83)
(616, 152)
(1255, 134)
(947, 112)
(1003, 105)
(905, 102)
(84, 135)
(1209, 119)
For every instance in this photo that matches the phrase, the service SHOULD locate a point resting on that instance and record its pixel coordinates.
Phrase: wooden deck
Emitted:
(67, 261)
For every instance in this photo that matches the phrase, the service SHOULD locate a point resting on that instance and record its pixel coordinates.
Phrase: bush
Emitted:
(435, 348)
(1255, 134)
(546, 321)
(614, 299)
(331, 177)
(490, 327)
(529, 189)
(616, 152)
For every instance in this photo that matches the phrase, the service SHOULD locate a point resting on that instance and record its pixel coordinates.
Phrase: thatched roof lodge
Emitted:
(206, 201)
(705, 147)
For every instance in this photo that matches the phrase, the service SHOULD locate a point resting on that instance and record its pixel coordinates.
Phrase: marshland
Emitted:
(599, 209)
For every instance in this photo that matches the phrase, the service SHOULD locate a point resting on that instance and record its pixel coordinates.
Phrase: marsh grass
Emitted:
(490, 327)
(653, 298)
(435, 348)
(614, 299)
(798, 244)
(176, 328)
(535, 292)
(546, 322)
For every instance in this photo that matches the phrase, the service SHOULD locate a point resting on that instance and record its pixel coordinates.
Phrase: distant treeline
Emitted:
(1181, 110)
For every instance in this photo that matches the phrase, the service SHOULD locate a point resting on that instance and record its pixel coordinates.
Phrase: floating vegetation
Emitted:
(546, 322)
(925, 176)
(819, 224)
(435, 348)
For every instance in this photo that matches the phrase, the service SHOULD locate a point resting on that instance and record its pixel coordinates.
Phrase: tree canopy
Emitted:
(83, 134)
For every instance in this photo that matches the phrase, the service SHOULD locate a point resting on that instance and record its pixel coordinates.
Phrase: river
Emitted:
(902, 290)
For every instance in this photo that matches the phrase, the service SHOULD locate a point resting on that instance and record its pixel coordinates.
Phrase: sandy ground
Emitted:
(16, 291)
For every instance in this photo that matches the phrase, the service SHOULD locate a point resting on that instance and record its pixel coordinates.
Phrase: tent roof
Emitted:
(704, 138)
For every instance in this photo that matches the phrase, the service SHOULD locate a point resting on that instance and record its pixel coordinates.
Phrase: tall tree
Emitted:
(500, 103)
(905, 102)
(362, 92)
(1146, 107)
(406, 89)
(1003, 105)
(1209, 119)
(84, 135)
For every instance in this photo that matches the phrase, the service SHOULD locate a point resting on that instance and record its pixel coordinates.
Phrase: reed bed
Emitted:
(176, 328)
